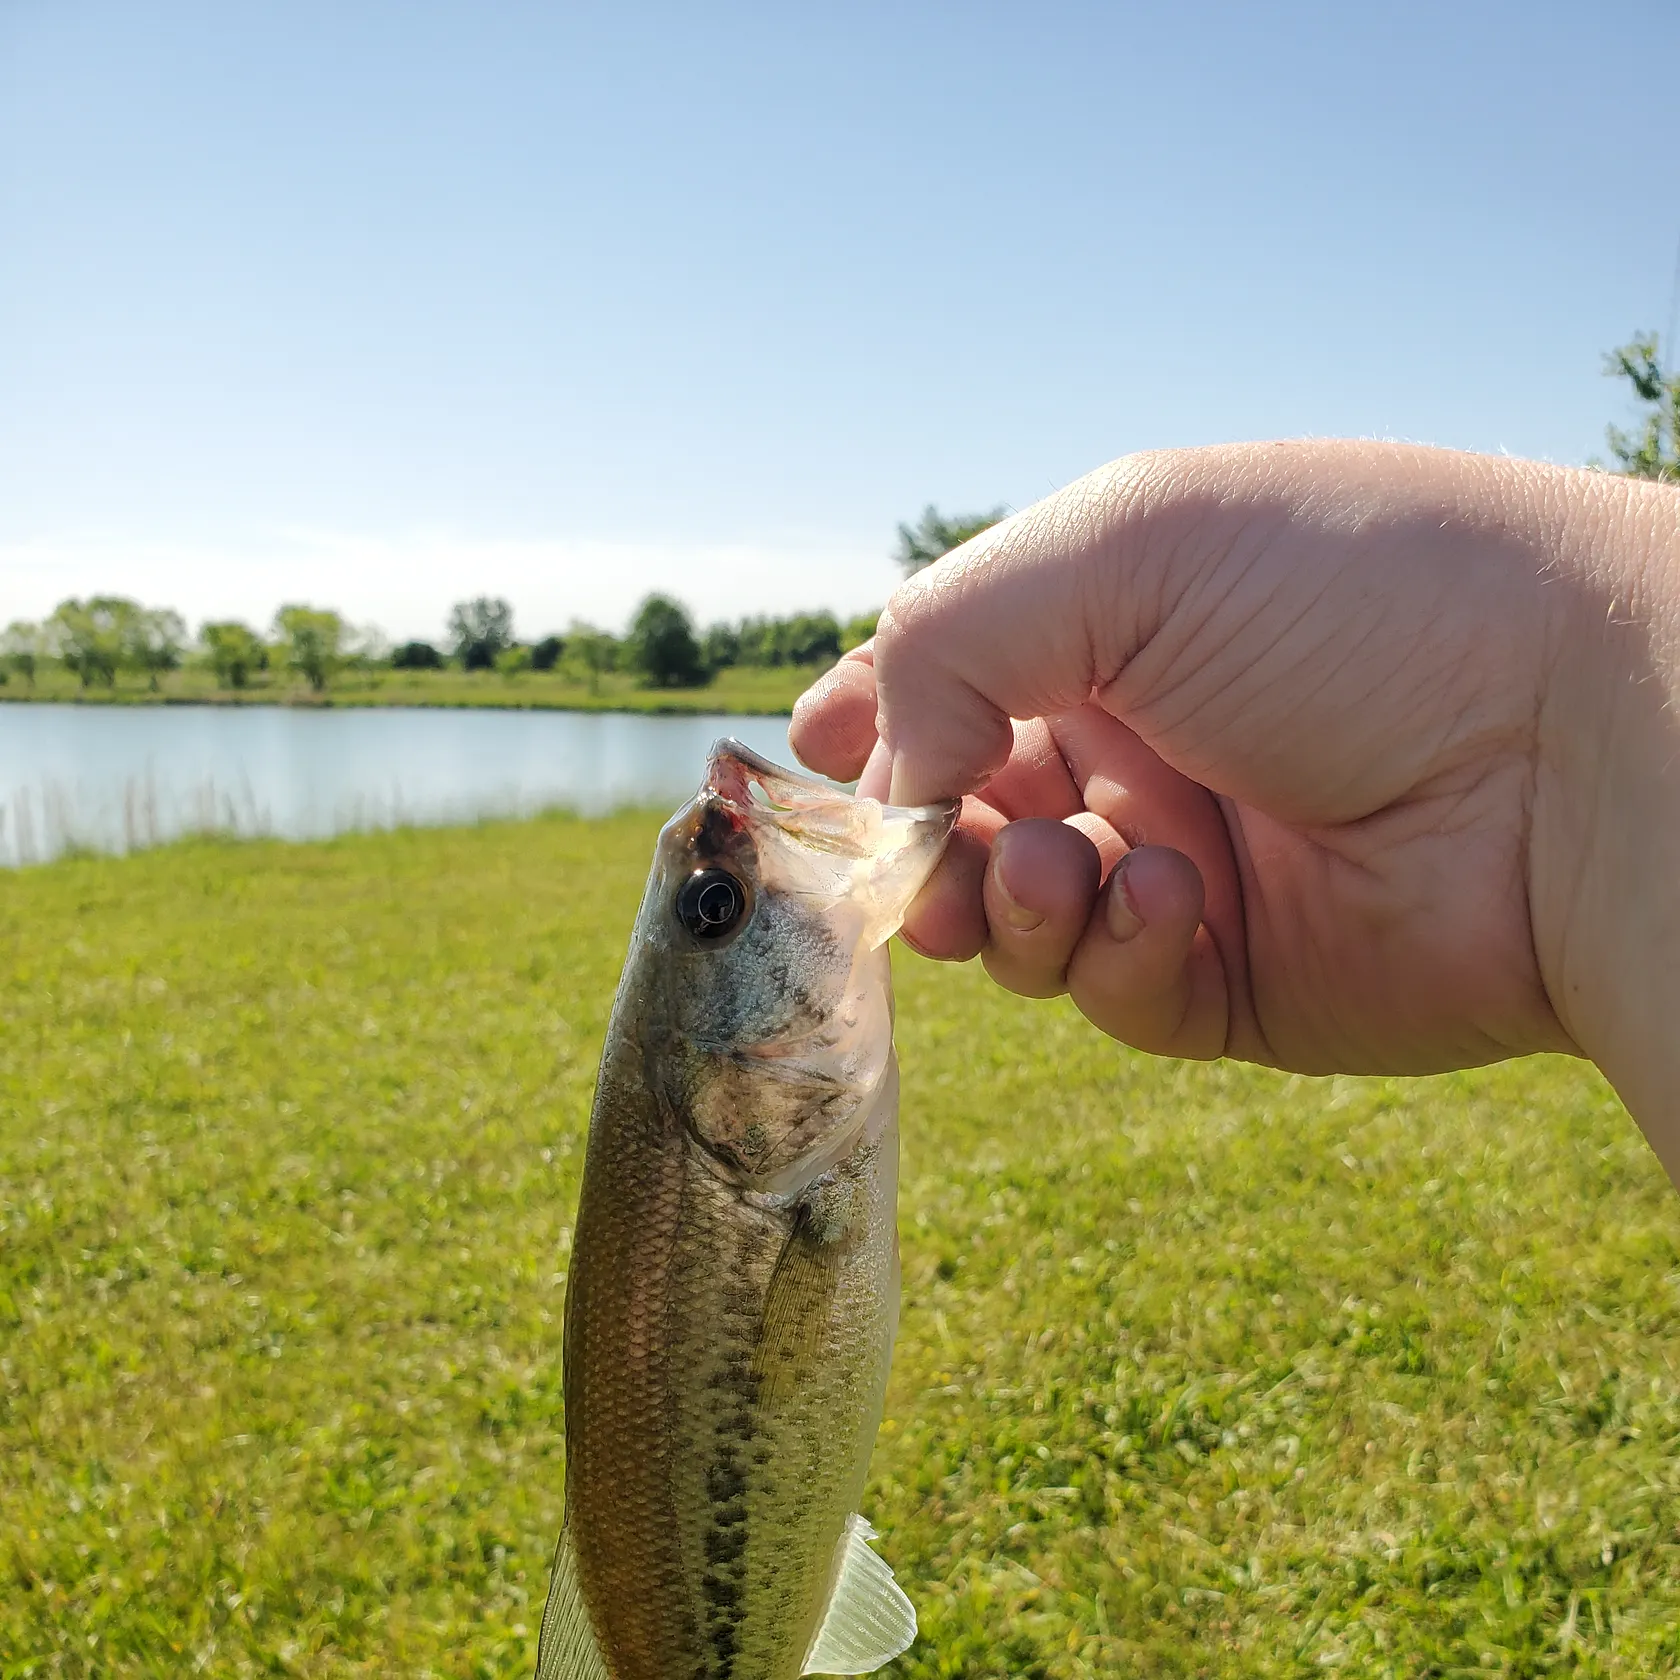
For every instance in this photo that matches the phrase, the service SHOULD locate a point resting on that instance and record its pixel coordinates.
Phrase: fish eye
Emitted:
(710, 903)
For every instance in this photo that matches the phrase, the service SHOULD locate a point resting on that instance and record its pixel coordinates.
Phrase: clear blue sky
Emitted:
(387, 303)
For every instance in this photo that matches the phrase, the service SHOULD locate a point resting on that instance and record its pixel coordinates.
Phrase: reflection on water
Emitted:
(107, 778)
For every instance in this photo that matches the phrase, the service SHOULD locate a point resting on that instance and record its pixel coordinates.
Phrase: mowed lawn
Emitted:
(1203, 1370)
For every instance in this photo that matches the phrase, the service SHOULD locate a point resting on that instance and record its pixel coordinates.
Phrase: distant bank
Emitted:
(763, 691)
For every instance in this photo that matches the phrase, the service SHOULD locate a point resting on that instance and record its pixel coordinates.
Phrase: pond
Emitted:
(112, 779)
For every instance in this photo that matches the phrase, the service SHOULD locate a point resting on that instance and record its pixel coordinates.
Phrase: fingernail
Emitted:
(877, 773)
(1017, 915)
(1124, 922)
(905, 787)
(895, 770)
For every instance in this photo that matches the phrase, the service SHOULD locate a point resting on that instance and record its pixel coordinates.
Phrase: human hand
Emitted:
(1310, 743)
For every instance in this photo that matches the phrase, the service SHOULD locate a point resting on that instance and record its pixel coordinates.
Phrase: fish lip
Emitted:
(731, 763)
(732, 767)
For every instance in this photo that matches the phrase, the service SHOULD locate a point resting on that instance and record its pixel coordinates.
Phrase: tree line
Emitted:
(99, 637)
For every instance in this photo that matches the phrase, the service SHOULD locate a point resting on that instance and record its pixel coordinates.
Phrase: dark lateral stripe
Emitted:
(736, 1386)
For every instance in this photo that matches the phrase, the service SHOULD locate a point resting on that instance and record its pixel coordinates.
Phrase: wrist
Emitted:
(1604, 873)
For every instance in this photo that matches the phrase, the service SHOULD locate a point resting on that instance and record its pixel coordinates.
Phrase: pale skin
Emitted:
(1338, 757)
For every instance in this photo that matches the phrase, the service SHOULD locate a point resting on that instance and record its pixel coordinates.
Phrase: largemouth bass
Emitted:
(733, 1292)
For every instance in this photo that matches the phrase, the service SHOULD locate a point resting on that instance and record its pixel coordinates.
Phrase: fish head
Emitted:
(772, 898)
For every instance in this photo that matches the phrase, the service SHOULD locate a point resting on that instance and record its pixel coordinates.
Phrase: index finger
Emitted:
(833, 726)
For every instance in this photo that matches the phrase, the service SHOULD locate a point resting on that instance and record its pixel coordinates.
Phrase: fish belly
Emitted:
(726, 1364)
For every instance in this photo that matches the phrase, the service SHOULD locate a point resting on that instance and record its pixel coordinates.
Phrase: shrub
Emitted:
(416, 656)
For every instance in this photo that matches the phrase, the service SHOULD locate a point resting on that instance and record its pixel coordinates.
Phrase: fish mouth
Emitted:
(734, 770)
(833, 843)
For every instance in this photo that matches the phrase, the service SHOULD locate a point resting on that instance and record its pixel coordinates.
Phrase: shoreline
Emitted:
(330, 703)
(735, 691)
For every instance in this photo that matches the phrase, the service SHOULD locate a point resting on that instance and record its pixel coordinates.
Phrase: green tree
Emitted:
(479, 629)
(803, 639)
(921, 544)
(811, 638)
(512, 660)
(314, 640)
(90, 636)
(153, 638)
(720, 647)
(662, 647)
(20, 648)
(545, 655)
(1653, 451)
(856, 631)
(235, 651)
(591, 651)
(416, 656)
(758, 642)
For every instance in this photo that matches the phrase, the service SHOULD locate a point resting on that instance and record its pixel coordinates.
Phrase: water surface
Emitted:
(114, 778)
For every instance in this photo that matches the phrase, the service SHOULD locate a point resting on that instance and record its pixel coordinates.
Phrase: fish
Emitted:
(732, 1296)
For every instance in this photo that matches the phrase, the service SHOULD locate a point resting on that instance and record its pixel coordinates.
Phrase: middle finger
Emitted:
(1040, 885)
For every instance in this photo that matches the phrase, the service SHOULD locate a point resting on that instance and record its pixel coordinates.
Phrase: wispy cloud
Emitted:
(406, 584)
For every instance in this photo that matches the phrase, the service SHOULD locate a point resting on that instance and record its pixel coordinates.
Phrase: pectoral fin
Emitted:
(798, 1316)
(799, 1305)
(868, 1620)
(566, 1648)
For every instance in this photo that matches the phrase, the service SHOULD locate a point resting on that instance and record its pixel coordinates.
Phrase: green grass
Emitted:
(1203, 1371)
(743, 688)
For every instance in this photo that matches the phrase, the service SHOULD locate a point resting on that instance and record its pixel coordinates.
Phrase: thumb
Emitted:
(1025, 620)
